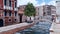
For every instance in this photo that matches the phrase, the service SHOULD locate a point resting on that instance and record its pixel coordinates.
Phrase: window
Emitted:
(5, 2)
(38, 8)
(57, 1)
(9, 13)
(44, 13)
(48, 12)
(15, 3)
(10, 3)
(15, 13)
(15, 19)
(48, 8)
(5, 13)
(15, 0)
(9, 19)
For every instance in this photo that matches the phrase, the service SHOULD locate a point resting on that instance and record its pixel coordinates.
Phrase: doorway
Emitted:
(1, 22)
(20, 18)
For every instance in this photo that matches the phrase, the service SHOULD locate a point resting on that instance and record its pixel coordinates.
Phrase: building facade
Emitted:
(53, 9)
(45, 11)
(21, 15)
(39, 11)
(8, 12)
(57, 10)
(58, 7)
(49, 10)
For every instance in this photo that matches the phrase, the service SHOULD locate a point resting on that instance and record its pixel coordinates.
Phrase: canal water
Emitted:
(38, 28)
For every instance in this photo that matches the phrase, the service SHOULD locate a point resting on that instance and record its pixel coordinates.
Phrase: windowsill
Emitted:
(7, 16)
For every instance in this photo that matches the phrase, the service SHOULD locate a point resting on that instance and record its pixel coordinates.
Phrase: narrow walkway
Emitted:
(14, 28)
(55, 28)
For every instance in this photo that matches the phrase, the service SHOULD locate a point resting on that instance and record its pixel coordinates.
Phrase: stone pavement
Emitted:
(55, 28)
(14, 28)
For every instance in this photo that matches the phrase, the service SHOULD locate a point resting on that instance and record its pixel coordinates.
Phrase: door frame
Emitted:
(2, 23)
(20, 15)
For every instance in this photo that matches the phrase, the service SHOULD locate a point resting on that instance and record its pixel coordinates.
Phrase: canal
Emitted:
(41, 27)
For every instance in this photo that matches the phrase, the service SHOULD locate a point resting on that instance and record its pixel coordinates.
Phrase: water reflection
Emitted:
(38, 28)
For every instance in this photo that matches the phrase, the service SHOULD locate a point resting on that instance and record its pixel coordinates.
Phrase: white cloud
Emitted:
(24, 2)
(52, 3)
(43, 3)
(35, 2)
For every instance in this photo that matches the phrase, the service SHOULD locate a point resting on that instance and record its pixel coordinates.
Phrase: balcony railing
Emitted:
(8, 8)
(15, 9)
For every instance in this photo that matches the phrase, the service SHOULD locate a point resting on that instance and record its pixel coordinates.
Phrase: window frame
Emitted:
(15, 13)
(9, 3)
(5, 13)
(10, 13)
(15, 4)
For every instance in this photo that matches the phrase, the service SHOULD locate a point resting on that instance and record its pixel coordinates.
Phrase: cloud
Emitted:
(35, 2)
(24, 2)
(43, 3)
(52, 3)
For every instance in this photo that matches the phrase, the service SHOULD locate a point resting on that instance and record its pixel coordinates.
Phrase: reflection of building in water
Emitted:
(40, 27)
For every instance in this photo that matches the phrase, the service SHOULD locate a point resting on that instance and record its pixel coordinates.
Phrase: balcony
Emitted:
(8, 8)
(15, 9)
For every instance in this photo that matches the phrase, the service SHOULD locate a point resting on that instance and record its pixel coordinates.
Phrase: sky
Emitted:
(36, 2)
